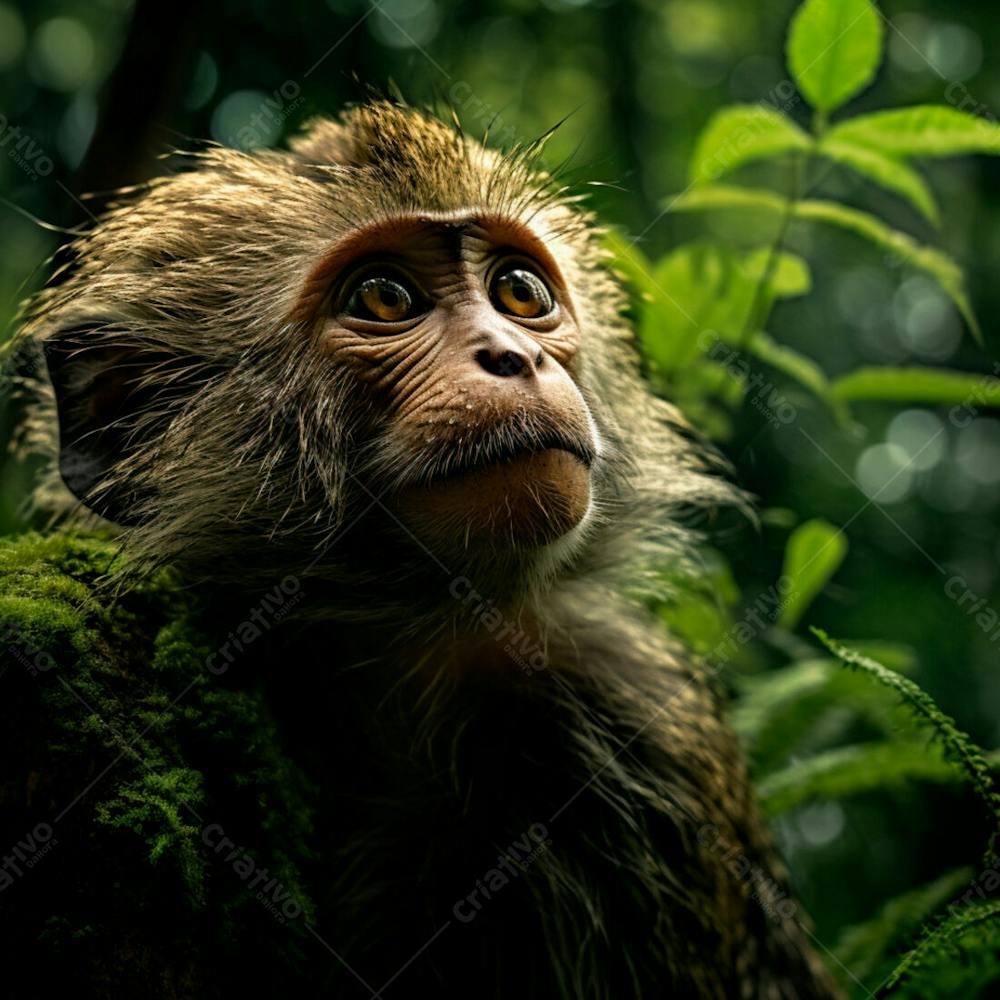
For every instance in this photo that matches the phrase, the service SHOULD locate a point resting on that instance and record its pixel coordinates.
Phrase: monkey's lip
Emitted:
(491, 454)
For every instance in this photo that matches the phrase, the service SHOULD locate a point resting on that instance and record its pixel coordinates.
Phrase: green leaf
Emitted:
(790, 362)
(791, 712)
(629, 261)
(813, 554)
(713, 197)
(968, 939)
(834, 50)
(696, 619)
(896, 656)
(851, 770)
(900, 246)
(697, 609)
(807, 706)
(924, 130)
(918, 385)
(893, 175)
(700, 295)
(863, 948)
(790, 275)
(739, 134)
(770, 693)
(965, 756)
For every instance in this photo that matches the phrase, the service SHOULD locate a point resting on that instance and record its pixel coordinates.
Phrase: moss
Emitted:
(121, 740)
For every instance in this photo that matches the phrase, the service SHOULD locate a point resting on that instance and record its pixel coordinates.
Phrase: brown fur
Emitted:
(243, 457)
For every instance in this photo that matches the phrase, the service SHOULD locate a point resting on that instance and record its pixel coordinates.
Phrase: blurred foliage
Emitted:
(702, 311)
(807, 246)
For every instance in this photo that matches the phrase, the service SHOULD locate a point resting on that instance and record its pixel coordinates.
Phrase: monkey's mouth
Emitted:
(504, 448)
(524, 489)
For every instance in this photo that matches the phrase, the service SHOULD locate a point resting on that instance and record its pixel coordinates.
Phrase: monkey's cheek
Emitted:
(531, 500)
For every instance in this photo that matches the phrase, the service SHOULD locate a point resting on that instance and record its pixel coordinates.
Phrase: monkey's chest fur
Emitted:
(545, 834)
(306, 822)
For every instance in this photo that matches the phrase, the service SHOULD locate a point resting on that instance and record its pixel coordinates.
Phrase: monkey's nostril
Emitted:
(503, 363)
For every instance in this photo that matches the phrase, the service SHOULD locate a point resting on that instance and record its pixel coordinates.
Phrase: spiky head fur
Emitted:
(246, 433)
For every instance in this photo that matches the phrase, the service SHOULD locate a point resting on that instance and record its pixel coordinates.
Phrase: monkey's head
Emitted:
(388, 352)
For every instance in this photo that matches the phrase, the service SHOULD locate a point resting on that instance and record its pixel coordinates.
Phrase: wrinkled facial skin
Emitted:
(463, 333)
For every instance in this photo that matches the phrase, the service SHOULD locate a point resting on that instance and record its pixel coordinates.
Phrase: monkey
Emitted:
(391, 368)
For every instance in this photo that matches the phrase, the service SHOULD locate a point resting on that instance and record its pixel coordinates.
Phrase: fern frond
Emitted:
(867, 949)
(957, 746)
(845, 771)
(978, 965)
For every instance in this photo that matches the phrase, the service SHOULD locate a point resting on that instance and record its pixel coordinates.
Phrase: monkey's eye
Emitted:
(382, 299)
(520, 292)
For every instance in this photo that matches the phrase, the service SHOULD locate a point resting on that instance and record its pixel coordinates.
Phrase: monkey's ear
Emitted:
(100, 392)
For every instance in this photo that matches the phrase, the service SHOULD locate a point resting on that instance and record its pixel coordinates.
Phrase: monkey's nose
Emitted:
(506, 363)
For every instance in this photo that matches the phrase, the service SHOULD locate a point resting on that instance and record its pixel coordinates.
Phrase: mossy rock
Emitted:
(125, 764)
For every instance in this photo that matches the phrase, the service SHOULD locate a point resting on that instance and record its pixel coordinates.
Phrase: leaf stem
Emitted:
(760, 305)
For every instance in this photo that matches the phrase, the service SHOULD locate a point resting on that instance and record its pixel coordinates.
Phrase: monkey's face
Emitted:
(462, 331)
(387, 325)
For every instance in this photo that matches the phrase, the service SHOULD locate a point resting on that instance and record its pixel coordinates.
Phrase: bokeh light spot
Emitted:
(12, 36)
(204, 82)
(978, 451)
(925, 320)
(884, 473)
(820, 823)
(921, 435)
(63, 54)
(406, 24)
(242, 120)
(954, 50)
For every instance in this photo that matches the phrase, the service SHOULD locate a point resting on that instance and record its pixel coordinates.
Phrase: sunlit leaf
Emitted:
(628, 260)
(918, 385)
(814, 553)
(834, 50)
(804, 370)
(701, 297)
(741, 133)
(697, 610)
(712, 197)
(924, 130)
(789, 276)
(893, 175)
(778, 517)
(901, 247)
(696, 619)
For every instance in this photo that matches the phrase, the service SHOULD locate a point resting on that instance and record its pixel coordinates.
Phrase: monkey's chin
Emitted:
(528, 501)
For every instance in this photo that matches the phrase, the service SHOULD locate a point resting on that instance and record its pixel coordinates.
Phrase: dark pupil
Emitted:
(390, 297)
(522, 291)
